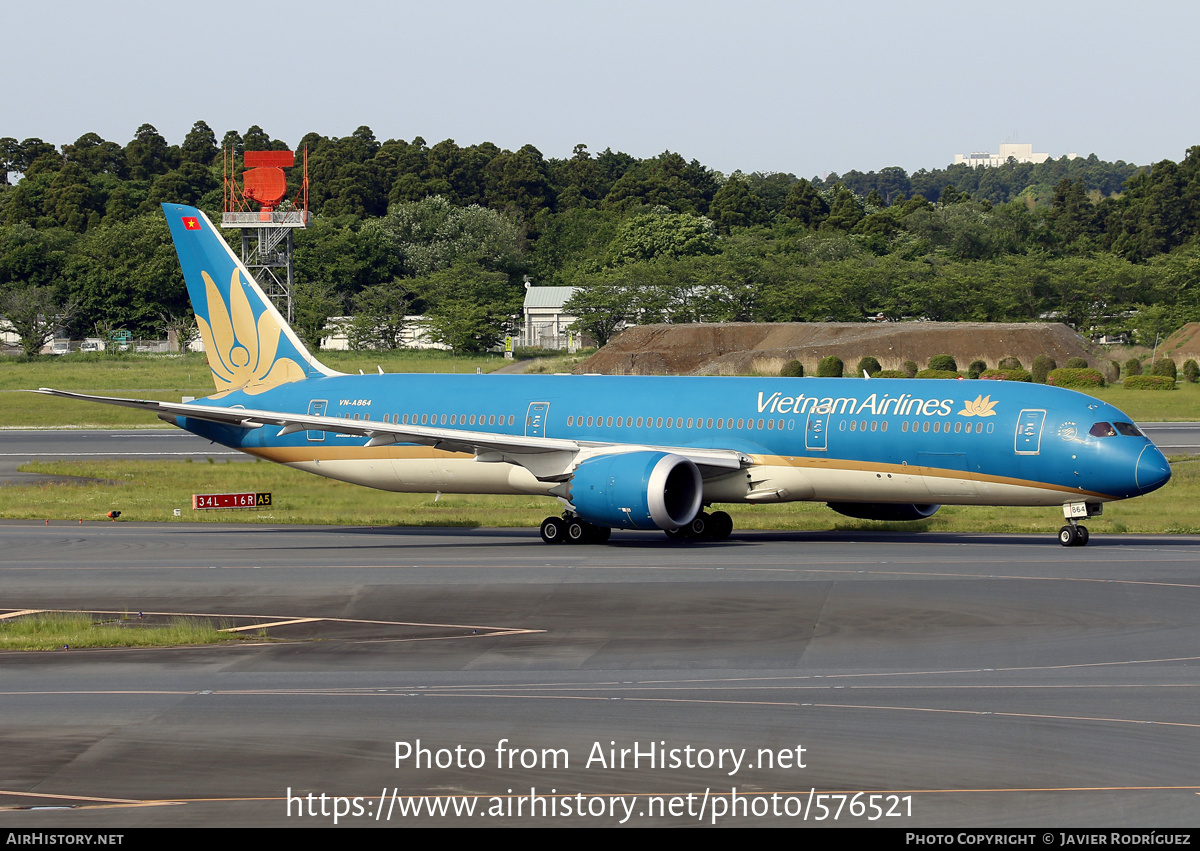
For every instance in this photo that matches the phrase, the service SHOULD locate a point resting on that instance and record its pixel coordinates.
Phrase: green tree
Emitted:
(604, 305)
(830, 366)
(664, 235)
(467, 308)
(199, 145)
(735, 205)
(379, 317)
(314, 304)
(34, 314)
(433, 234)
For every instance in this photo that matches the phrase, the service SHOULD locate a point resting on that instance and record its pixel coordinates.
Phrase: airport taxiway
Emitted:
(984, 680)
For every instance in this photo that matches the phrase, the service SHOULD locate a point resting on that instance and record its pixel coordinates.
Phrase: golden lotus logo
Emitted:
(241, 352)
(981, 407)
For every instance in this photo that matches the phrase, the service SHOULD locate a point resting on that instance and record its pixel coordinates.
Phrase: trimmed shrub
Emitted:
(1042, 366)
(792, 369)
(1149, 382)
(1007, 374)
(1191, 371)
(1080, 378)
(891, 373)
(1166, 368)
(938, 373)
(1076, 363)
(910, 368)
(976, 368)
(1133, 366)
(943, 363)
(831, 366)
(868, 365)
(1009, 363)
(1114, 371)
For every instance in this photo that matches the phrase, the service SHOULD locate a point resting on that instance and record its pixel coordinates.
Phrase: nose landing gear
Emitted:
(1073, 535)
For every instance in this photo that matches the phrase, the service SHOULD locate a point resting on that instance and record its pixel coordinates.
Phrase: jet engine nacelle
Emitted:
(883, 510)
(637, 490)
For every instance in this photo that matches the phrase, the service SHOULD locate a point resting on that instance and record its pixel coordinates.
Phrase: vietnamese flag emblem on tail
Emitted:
(191, 223)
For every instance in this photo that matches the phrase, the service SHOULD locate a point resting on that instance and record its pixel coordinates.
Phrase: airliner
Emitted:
(644, 452)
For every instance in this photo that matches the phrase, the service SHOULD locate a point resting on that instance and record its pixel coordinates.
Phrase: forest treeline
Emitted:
(453, 231)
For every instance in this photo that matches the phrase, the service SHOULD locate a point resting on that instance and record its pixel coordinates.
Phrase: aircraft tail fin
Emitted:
(248, 343)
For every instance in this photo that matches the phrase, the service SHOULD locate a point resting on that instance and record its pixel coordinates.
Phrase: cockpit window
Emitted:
(1127, 429)
(1102, 430)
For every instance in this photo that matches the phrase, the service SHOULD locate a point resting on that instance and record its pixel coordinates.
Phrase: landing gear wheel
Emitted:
(1082, 534)
(699, 528)
(720, 525)
(674, 534)
(1068, 537)
(554, 530)
(578, 531)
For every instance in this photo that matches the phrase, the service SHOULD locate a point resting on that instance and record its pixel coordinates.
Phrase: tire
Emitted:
(578, 532)
(720, 525)
(1067, 536)
(700, 527)
(1082, 533)
(554, 531)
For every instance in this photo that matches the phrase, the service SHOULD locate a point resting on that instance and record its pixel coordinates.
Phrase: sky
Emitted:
(803, 87)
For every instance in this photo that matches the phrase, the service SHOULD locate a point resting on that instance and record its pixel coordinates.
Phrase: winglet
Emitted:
(249, 345)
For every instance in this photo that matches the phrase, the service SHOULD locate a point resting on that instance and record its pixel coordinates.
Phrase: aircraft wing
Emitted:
(547, 458)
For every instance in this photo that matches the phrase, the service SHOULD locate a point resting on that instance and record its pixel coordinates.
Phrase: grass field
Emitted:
(56, 630)
(151, 490)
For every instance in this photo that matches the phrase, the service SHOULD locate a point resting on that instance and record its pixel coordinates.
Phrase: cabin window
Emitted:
(658, 423)
(620, 421)
(741, 424)
(608, 422)
(904, 426)
(925, 426)
(853, 425)
(760, 425)
(709, 423)
(690, 422)
(884, 426)
(591, 420)
(570, 421)
(874, 425)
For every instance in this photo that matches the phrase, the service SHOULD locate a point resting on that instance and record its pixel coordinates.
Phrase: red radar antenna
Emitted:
(267, 230)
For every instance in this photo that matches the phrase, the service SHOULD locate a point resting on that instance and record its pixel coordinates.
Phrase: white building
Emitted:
(1022, 153)
(545, 325)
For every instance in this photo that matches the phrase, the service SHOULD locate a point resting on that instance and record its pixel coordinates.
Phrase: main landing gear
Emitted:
(572, 529)
(705, 527)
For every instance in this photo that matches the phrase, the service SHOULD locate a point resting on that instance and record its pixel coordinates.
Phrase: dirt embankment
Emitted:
(1182, 345)
(746, 348)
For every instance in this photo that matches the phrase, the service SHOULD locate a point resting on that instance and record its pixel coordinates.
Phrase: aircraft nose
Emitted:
(1152, 470)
